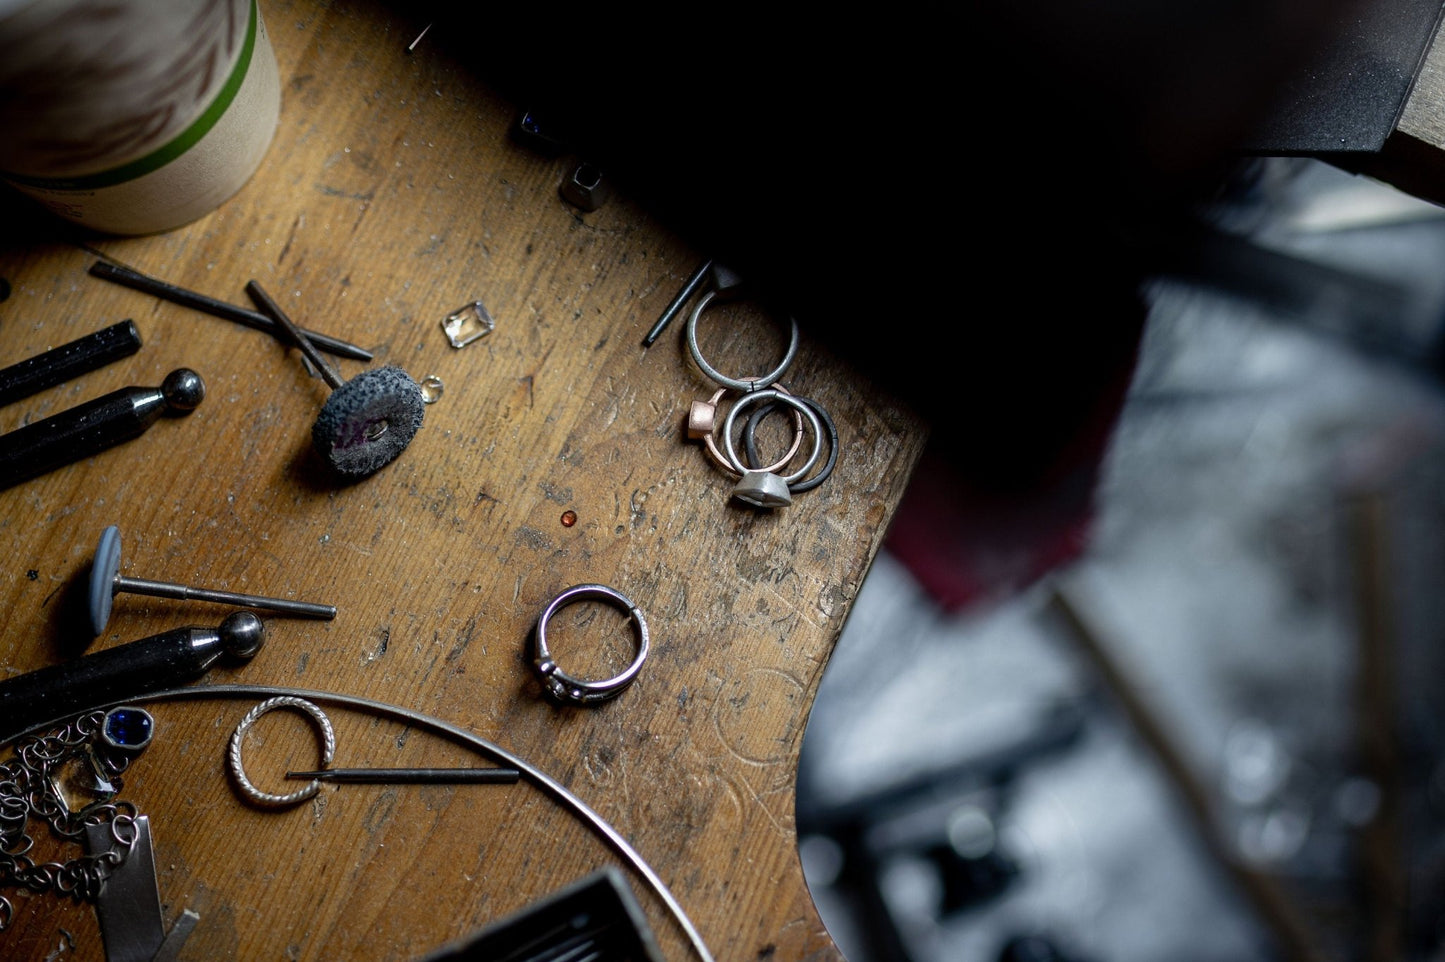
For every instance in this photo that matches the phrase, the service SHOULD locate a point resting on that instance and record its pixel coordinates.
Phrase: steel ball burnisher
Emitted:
(124, 672)
(95, 426)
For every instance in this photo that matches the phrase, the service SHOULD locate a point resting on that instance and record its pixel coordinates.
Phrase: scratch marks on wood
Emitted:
(760, 694)
(556, 494)
(834, 600)
(464, 638)
(380, 812)
(296, 225)
(529, 537)
(365, 196)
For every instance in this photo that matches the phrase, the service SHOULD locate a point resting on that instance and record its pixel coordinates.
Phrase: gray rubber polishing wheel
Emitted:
(103, 569)
(368, 421)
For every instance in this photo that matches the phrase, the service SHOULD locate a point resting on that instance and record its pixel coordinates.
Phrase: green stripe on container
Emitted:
(158, 158)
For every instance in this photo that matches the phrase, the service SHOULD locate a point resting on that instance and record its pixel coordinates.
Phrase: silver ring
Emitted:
(792, 401)
(737, 384)
(714, 452)
(563, 687)
(233, 755)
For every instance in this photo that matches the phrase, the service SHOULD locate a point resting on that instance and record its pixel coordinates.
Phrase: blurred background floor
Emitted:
(1235, 752)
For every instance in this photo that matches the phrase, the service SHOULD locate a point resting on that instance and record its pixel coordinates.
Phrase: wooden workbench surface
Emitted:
(392, 195)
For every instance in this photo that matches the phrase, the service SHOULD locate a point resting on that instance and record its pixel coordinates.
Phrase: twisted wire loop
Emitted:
(238, 770)
(7, 913)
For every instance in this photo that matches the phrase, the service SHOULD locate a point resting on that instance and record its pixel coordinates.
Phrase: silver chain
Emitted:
(26, 794)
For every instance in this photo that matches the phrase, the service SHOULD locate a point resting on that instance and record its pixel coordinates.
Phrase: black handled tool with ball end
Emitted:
(123, 672)
(368, 420)
(94, 426)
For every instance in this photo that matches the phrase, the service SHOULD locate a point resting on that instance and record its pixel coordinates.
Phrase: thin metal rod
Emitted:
(688, 289)
(538, 778)
(412, 46)
(218, 308)
(273, 310)
(419, 776)
(163, 589)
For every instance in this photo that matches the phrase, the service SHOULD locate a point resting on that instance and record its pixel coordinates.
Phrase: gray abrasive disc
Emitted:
(368, 421)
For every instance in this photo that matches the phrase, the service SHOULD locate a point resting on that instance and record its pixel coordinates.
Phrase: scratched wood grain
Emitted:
(391, 196)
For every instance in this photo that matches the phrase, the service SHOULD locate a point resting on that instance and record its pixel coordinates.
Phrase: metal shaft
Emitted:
(295, 334)
(218, 308)
(688, 289)
(163, 589)
(60, 364)
(417, 776)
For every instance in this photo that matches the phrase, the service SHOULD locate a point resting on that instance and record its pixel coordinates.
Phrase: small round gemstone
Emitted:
(128, 729)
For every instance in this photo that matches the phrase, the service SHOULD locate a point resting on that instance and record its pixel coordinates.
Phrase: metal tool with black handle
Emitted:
(124, 672)
(59, 364)
(94, 426)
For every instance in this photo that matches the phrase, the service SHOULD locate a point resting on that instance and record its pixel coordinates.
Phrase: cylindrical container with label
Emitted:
(134, 116)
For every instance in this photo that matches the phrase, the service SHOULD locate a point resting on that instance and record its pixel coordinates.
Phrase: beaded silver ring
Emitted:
(561, 686)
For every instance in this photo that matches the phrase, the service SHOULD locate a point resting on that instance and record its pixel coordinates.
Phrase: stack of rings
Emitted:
(760, 485)
(808, 483)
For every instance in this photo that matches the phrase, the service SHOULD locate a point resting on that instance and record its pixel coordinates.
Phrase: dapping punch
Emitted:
(123, 672)
(94, 426)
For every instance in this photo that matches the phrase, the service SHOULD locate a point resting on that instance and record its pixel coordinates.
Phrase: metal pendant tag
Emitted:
(129, 904)
(763, 489)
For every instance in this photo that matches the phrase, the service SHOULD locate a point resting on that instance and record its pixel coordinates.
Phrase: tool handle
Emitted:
(94, 426)
(77, 433)
(60, 364)
(125, 671)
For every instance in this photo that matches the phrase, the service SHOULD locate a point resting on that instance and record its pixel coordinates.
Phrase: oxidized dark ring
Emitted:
(791, 401)
(750, 446)
(561, 686)
(736, 383)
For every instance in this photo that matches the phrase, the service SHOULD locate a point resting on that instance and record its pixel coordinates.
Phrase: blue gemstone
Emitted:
(128, 728)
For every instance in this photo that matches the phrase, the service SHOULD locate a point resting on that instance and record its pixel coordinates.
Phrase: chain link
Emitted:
(26, 794)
